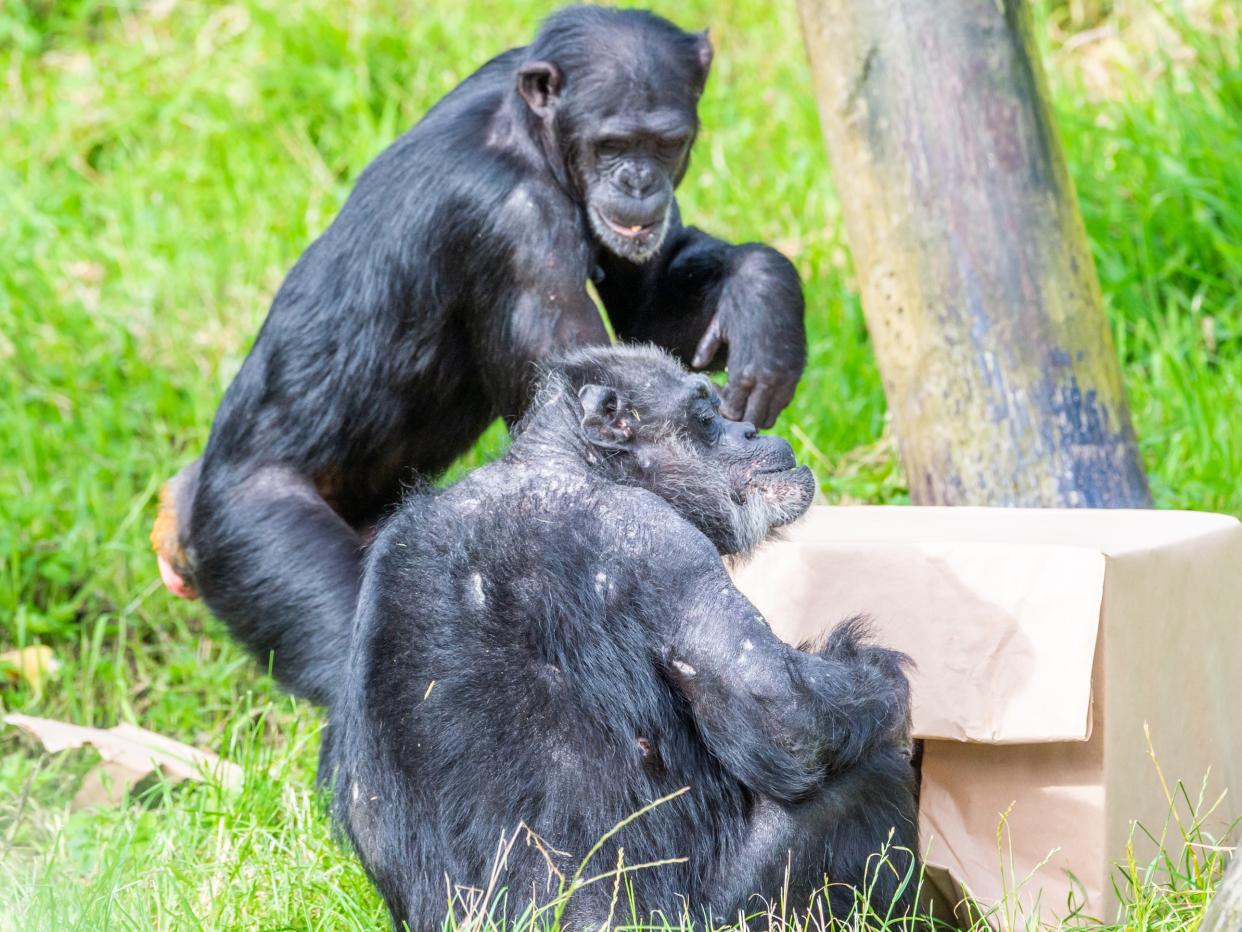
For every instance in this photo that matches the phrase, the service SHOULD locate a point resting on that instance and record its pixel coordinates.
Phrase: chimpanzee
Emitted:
(553, 642)
(459, 261)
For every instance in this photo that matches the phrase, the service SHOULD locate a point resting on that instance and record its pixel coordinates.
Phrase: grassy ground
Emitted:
(162, 165)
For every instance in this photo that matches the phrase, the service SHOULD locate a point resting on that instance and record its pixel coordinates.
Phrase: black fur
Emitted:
(553, 642)
(458, 262)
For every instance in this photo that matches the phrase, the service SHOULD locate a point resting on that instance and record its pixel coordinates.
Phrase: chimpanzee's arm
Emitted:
(716, 305)
(539, 323)
(778, 718)
(531, 307)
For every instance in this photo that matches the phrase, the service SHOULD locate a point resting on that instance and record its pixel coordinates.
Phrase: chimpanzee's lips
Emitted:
(789, 492)
(795, 480)
(784, 464)
(628, 230)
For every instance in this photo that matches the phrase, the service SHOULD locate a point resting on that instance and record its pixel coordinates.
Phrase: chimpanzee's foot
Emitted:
(174, 582)
(166, 537)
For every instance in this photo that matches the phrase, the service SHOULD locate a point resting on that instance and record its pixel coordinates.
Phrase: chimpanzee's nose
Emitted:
(740, 431)
(638, 178)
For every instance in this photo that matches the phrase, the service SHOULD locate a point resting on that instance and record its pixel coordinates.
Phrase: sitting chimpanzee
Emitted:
(553, 642)
(461, 260)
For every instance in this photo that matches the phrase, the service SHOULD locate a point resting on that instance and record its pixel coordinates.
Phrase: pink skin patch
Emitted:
(173, 581)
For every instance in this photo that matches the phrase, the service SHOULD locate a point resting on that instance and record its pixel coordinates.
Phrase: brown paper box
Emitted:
(1045, 640)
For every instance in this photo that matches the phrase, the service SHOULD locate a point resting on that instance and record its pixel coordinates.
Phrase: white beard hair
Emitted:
(616, 243)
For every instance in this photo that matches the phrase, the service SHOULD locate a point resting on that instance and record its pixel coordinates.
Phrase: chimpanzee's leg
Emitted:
(876, 804)
(835, 837)
(281, 568)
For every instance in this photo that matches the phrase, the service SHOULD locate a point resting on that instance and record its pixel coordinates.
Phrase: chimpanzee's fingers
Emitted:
(782, 393)
(733, 399)
(759, 407)
(710, 344)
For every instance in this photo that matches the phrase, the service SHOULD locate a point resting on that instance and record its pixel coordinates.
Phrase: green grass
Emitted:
(163, 164)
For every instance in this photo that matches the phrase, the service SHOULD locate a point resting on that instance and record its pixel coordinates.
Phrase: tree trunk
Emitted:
(977, 282)
(1225, 913)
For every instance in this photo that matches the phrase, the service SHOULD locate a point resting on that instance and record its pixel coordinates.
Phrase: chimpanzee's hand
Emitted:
(880, 687)
(759, 318)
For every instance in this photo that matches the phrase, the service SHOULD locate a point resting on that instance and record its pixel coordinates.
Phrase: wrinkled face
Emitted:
(665, 432)
(628, 166)
(618, 107)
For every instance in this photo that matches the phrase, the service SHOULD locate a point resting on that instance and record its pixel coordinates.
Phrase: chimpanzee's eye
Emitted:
(670, 149)
(609, 148)
(709, 423)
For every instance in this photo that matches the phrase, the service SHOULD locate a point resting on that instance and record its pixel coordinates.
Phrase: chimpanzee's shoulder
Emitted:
(499, 513)
(644, 530)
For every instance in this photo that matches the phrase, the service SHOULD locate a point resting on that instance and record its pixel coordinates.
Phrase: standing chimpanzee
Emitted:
(459, 261)
(553, 642)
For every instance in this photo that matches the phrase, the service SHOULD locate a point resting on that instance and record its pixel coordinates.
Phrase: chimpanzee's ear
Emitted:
(603, 422)
(539, 83)
(704, 49)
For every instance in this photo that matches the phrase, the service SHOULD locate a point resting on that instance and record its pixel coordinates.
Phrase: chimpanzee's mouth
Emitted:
(777, 463)
(628, 230)
(790, 490)
(775, 477)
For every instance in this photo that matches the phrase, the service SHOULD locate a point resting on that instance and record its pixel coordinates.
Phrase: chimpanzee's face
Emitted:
(627, 166)
(660, 427)
(686, 429)
(620, 107)
(756, 466)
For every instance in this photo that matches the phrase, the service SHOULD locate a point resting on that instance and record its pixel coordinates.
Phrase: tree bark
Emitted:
(977, 282)
(1225, 913)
